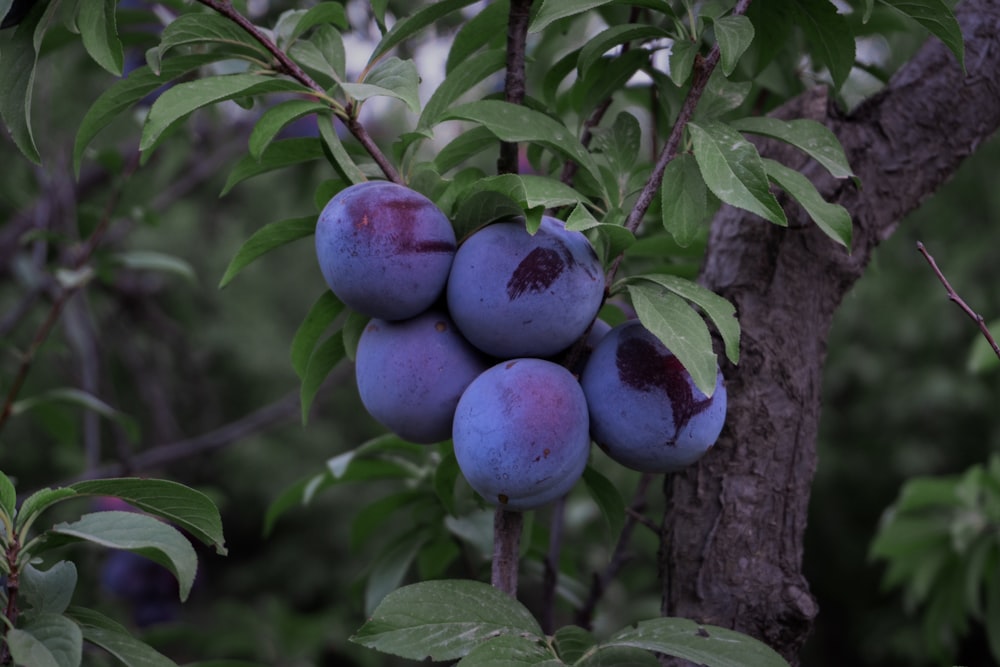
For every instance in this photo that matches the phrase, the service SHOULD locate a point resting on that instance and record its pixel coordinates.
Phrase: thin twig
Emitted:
(703, 69)
(286, 65)
(550, 577)
(959, 301)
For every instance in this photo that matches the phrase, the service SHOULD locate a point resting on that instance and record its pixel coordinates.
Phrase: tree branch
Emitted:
(517, 37)
(286, 65)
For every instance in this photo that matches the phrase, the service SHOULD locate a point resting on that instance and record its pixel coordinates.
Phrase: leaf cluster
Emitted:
(42, 628)
(940, 543)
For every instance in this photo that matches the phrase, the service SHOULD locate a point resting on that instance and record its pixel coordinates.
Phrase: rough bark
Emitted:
(733, 535)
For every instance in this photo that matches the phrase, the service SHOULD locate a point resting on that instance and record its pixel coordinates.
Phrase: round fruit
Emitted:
(513, 294)
(645, 410)
(521, 435)
(384, 250)
(410, 374)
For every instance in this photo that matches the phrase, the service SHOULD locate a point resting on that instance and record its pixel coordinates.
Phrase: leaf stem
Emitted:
(13, 584)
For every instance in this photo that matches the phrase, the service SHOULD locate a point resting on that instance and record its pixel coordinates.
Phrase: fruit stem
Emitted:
(506, 550)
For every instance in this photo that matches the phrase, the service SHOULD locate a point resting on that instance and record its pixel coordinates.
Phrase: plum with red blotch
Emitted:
(521, 433)
(410, 374)
(514, 294)
(384, 250)
(645, 410)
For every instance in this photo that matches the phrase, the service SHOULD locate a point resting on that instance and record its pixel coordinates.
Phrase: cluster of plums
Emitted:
(463, 338)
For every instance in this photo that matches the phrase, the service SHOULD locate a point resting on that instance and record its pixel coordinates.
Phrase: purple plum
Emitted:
(411, 374)
(645, 410)
(513, 294)
(521, 434)
(384, 250)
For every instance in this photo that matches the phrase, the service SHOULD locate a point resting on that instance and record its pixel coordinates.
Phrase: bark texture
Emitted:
(733, 535)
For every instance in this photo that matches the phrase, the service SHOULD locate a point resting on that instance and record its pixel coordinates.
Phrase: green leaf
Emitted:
(991, 618)
(328, 354)
(938, 17)
(734, 34)
(672, 320)
(353, 327)
(809, 136)
(553, 10)
(323, 13)
(323, 54)
(48, 591)
(278, 155)
(115, 639)
(149, 260)
(511, 651)
(682, 56)
(619, 656)
(178, 102)
(828, 34)
(321, 315)
(833, 219)
(684, 200)
(609, 500)
(373, 516)
(604, 41)
(443, 620)
(48, 640)
(8, 496)
(981, 357)
(204, 28)
(530, 191)
(17, 79)
(702, 644)
(99, 34)
(267, 238)
(484, 207)
(83, 399)
(188, 508)
(337, 155)
(488, 27)
(571, 642)
(126, 92)
(274, 119)
(390, 78)
(717, 308)
(414, 23)
(460, 80)
(38, 502)
(391, 566)
(733, 170)
(515, 123)
(462, 147)
(445, 476)
(138, 533)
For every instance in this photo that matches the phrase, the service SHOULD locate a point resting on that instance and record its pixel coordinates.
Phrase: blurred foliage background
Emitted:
(206, 375)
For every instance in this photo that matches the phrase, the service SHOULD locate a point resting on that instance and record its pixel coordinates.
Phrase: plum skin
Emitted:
(411, 373)
(521, 433)
(517, 295)
(645, 410)
(384, 250)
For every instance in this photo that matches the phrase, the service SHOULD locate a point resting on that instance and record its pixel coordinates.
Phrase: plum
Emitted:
(410, 374)
(645, 410)
(384, 250)
(521, 433)
(513, 294)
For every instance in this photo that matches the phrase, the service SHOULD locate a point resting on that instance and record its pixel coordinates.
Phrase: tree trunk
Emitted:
(733, 534)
